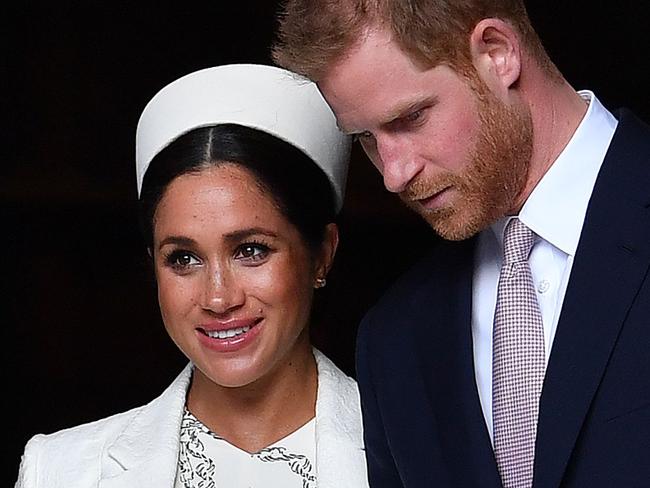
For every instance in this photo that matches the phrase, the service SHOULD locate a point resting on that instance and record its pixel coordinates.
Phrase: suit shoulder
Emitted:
(104, 425)
(74, 447)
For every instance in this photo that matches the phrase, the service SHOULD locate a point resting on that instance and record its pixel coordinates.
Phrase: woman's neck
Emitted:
(255, 416)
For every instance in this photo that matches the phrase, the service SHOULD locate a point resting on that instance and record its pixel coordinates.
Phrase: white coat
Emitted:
(139, 448)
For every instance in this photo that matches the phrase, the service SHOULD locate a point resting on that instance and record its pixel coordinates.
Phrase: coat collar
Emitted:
(340, 456)
(145, 453)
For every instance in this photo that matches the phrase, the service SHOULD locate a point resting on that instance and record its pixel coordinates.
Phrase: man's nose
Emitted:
(396, 163)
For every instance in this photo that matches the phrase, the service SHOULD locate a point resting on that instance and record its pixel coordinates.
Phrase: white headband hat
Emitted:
(262, 97)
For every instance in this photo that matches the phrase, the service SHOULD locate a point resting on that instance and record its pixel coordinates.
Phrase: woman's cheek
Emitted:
(177, 294)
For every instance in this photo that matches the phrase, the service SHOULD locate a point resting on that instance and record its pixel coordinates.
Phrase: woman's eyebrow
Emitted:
(234, 236)
(177, 240)
(243, 234)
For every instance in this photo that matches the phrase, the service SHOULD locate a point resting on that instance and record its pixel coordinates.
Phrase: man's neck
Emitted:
(556, 111)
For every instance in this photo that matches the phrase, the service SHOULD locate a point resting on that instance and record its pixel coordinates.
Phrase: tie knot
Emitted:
(517, 242)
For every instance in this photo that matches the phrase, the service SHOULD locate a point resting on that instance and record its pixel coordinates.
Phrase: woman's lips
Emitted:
(229, 336)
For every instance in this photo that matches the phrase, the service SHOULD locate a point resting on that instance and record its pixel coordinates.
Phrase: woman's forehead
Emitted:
(219, 199)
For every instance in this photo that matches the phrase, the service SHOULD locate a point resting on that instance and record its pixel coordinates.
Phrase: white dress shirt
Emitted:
(555, 211)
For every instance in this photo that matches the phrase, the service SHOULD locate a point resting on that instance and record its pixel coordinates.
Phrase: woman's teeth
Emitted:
(226, 334)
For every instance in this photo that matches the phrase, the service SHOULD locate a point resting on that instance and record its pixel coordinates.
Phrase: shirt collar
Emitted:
(556, 208)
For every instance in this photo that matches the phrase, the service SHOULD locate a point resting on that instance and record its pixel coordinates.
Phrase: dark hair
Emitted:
(299, 188)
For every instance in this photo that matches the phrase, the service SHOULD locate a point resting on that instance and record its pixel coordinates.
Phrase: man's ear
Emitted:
(496, 54)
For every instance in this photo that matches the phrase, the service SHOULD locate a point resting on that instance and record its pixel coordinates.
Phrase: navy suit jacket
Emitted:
(423, 423)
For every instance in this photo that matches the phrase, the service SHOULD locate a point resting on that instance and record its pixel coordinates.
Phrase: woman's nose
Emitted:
(222, 292)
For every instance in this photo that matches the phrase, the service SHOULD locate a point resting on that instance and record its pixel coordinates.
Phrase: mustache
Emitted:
(422, 188)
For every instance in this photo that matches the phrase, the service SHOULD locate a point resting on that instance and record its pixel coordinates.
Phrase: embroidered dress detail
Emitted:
(209, 461)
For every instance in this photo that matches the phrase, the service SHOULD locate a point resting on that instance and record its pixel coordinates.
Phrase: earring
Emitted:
(320, 283)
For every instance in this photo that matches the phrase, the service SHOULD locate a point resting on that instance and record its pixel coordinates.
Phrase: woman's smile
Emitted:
(235, 278)
(230, 336)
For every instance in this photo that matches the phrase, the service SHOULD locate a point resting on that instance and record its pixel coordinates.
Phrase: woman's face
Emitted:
(235, 279)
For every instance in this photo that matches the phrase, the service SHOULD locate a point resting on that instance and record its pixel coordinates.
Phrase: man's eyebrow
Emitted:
(396, 113)
(411, 106)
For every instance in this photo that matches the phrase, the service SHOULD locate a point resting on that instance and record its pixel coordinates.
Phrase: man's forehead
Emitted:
(372, 85)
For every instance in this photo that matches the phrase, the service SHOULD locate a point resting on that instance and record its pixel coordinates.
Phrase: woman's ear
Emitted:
(325, 259)
(496, 54)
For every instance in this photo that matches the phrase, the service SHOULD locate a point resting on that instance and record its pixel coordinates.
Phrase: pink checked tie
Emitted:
(518, 362)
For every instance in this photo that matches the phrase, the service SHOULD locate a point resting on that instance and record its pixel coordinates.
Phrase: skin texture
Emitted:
(462, 150)
(224, 254)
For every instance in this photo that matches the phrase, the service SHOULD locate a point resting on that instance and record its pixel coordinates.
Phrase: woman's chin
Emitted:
(235, 371)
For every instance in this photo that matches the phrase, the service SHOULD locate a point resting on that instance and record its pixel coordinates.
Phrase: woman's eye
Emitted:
(252, 252)
(182, 259)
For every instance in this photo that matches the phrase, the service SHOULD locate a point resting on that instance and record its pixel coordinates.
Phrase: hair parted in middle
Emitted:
(293, 181)
(314, 34)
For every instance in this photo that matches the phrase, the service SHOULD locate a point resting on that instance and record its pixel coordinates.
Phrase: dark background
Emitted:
(82, 333)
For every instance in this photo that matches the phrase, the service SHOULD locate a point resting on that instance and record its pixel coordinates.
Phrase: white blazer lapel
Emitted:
(340, 456)
(146, 452)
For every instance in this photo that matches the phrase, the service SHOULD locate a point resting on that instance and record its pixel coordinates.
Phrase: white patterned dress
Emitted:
(209, 461)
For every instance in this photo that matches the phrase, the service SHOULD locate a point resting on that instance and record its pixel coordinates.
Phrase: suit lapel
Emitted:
(447, 352)
(611, 261)
(146, 452)
(340, 457)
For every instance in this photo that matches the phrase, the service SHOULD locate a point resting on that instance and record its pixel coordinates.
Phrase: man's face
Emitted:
(452, 150)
